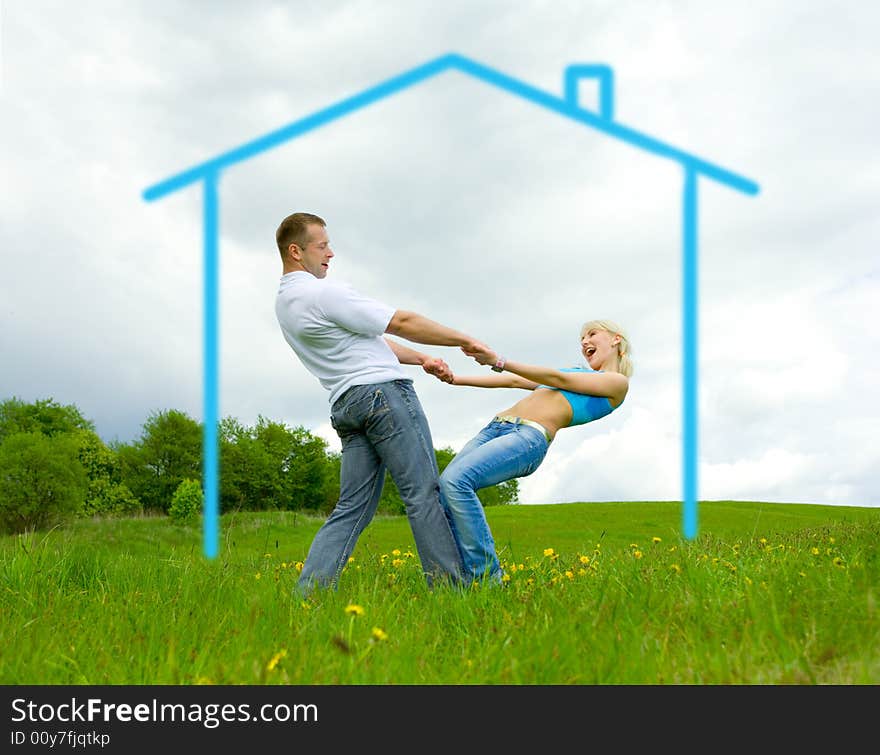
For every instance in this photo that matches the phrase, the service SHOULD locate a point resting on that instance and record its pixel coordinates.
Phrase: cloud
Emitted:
(475, 208)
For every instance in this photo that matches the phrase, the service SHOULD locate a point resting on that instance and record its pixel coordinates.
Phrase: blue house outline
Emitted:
(567, 106)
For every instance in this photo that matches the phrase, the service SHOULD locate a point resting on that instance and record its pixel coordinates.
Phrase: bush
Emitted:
(106, 494)
(187, 502)
(42, 482)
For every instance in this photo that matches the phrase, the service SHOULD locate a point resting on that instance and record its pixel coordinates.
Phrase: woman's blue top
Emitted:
(584, 408)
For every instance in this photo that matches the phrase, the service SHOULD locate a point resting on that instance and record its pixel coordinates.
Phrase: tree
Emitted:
(168, 452)
(44, 416)
(42, 482)
(299, 459)
(106, 493)
(250, 478)
(272, 466)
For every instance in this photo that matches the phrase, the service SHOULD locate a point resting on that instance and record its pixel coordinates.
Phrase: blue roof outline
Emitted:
(567, 106)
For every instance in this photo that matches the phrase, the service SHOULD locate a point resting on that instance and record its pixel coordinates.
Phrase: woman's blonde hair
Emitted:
(624, 350)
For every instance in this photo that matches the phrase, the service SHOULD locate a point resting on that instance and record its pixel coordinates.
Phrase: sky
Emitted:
(470, 206)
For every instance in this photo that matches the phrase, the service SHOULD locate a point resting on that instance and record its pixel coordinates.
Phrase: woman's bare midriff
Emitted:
(548, 408)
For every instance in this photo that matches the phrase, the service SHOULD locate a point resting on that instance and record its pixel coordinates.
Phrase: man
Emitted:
(338, 335)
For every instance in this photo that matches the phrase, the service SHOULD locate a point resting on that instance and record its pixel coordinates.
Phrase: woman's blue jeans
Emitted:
(381, 426)
(499, 452)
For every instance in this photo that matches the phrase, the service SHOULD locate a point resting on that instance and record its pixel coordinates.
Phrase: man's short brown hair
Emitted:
(294, 229)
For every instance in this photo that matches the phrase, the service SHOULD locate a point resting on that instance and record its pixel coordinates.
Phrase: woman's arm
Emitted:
(494, 381)
(608, 384)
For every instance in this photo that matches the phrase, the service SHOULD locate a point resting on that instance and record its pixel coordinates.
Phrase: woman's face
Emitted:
(598, 346)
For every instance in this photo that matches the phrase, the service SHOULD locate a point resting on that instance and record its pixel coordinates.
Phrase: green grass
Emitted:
(766, 594)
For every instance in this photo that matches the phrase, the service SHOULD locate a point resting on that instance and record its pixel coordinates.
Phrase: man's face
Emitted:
(315, 257)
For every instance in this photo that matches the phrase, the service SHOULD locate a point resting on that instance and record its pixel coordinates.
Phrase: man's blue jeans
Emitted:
(381, 426)
(499, 452)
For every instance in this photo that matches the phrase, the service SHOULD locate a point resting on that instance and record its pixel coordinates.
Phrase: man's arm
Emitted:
(432, 365)
(406, 355)
(415, 327)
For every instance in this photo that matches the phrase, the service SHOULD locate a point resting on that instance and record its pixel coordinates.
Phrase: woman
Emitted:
(515, 442)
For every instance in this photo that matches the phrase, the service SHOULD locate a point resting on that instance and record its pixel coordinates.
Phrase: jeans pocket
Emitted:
(346, 414)
(380, 419)
(378, 404)
(536, 452)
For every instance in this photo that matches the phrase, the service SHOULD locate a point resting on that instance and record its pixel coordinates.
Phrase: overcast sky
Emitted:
(473, 207)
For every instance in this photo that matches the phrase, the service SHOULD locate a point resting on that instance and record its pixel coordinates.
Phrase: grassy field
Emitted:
(596, 594)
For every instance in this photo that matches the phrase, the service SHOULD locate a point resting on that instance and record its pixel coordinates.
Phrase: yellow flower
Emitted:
(548, 551)
(656, 539)
(354, 609)
(584, 559)
(379, 634)
(676, 568)
(505, 577)
(299, 565)
(570, 574)
(397, 562)
(637, 553)
(273, 661)
(582, 572)
(350, 559)
(763, 541)
(633, 545)
(395, 552)
(838, 561)
(814, 551)
(257, 575)
(830, 539)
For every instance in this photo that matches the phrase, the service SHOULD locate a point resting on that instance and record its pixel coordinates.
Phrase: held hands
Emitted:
(480, 352)
(439, 369)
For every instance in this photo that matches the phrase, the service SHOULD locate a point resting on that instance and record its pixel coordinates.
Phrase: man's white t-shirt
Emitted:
(336, 332)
